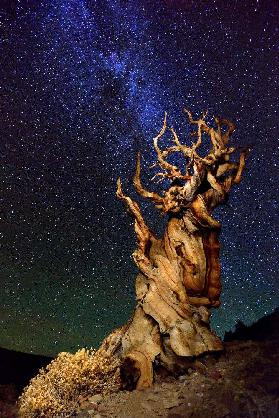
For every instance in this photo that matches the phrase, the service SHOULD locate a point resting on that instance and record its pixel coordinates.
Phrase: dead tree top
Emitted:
(212, 174)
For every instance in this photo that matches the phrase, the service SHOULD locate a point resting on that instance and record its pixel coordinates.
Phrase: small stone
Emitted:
(152, 397)
(93, 405)
(214, 374)
(182, 378)
(83, 404)
(95, 398)
(81, 398)
(93, 414)
(168, 404)
(146, 406)
(101, 408)
(200, 367)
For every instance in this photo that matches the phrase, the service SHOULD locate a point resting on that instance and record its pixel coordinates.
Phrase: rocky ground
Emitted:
(241, 382)
(8, 398)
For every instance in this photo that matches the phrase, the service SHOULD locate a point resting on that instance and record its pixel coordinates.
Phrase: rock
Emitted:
(146, 406)
(93, 405)
(83, 404)
(82, 398)
(200, 367)
(95, 398)
(214, 374)
(93, 414)
(176, 416)
(152, 397)
(101, 409)
(171, 403)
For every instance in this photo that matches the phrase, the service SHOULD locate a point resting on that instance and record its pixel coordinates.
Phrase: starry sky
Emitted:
(84, 86)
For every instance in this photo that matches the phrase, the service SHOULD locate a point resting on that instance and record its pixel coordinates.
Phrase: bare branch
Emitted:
(174, 172)
(202, 127)
(157, 199)
(241, 167)
(187, 151)
(223, 168)
(142, 231)
(190, 189)
(229, 131)
(214, 183)
(235, 177)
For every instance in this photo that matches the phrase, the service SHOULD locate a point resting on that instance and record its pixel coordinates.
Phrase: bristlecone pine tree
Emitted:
(179, 274)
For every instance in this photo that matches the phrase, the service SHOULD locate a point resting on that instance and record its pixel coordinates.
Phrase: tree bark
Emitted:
(179, 274)
(179, 281)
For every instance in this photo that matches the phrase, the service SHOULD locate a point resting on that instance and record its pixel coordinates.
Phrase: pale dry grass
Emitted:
(55, 391)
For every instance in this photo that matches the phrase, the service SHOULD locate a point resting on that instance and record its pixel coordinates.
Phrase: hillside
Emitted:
(241, 382)
(16, 369)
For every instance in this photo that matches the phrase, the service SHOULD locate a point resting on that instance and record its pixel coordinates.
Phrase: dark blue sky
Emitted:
(84, 86)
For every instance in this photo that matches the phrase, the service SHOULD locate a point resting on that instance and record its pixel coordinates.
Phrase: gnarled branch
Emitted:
(155, 197)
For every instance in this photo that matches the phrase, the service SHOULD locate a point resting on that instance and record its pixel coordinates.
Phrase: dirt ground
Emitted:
(242, 382)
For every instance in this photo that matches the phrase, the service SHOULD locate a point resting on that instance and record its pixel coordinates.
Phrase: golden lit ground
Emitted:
(242, 383)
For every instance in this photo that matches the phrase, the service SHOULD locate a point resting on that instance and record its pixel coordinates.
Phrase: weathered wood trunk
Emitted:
(179, 280)
(179, 274)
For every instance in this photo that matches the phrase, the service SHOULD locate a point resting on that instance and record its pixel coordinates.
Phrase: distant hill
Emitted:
(18, 368)
(265, 328)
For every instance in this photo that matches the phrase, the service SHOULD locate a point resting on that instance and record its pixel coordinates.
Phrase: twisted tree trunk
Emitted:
(179, 274)
(171, 325)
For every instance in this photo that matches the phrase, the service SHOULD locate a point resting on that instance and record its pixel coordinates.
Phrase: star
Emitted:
(84, 87)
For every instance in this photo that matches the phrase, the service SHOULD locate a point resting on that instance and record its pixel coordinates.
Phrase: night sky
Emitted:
(84, 86)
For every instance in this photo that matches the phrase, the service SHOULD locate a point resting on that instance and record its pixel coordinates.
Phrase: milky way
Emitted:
(84, 86)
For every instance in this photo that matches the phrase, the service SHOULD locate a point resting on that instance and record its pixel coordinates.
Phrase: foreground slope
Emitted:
(241, 382)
